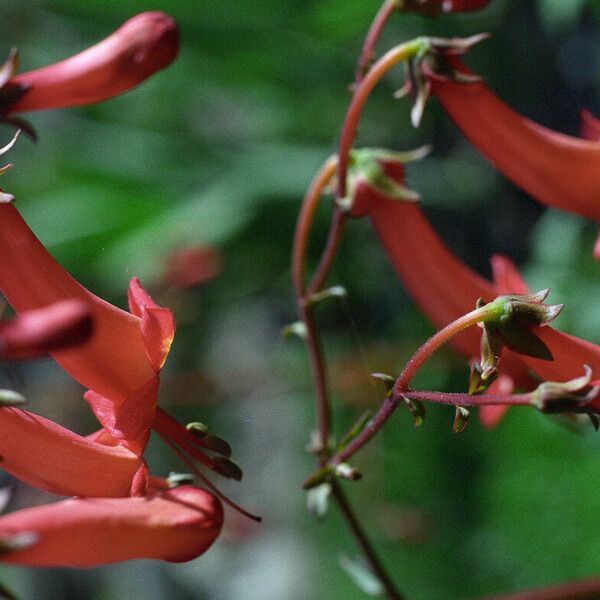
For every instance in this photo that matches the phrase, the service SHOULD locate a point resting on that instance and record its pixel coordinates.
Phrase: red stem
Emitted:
(422, 354)
(305, 218)
(467, 400)
(377, 71)
(333, 241)
(366, 55)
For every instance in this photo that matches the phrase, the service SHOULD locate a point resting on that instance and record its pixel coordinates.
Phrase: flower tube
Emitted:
(445, 289)
(113, 361)
(120, 362)
(556, 169)
(50, 457)
(175, 525)
(143, 45)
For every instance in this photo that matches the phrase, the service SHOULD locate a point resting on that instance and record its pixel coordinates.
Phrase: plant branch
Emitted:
(361, 539)
(305, 218)
(469, 400)
(401, 385)
(334, 237)
(366, 54)
(375, 73)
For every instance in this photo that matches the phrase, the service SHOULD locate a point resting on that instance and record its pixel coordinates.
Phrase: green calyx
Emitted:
(510, 321)
(366, 165)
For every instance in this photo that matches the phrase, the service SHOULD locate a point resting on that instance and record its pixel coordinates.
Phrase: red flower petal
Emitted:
(175, 525)
(444, 288)
(48, 456)
(158, 325)
(140, 47)
(590, 126)
(556, 169)
(130, 419)
(113, 361)
(507, 279)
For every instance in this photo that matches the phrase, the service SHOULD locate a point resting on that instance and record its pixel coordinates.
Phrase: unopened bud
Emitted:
(570, 396)
(227, 468)
(140, 47)
(461, 419)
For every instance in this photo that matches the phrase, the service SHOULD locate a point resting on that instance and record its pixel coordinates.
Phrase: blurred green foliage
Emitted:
(218, 150)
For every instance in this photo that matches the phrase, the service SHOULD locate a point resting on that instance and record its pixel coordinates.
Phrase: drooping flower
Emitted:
(554, 168)
(120, 362)
(34, 333)
(113, 361)
(143, 45)
(48, 456)
(175, 525)
(444, 288)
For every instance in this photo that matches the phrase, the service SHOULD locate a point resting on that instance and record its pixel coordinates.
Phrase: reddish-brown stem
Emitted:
(437, 340)
(361, 539)
(421, 355)
(305, 218)
(336, 230)
(320, 381)
(366, 54)
(375, 73)
(467, 400)
(583, 589)
(303, 294)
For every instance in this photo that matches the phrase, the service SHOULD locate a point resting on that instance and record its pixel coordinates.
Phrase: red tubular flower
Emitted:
(445, 289)
(140, 47)
(556, 169)
(175, 525)
(48, 456)
(36, 332)
(120, 362)
(114, 361)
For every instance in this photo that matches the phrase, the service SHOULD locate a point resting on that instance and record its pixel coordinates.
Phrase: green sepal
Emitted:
(416, 408)
(19, 541)
(461, 419)
(336, 291)
(297, 328)
(570, 396)
(227, 468)
(176, 479)
(355, 430)
(361, 574)
(197, 429)
(523, 340)
(387, 380)
(345, 471)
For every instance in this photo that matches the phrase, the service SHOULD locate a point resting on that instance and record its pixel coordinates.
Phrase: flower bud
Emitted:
(143, 45)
